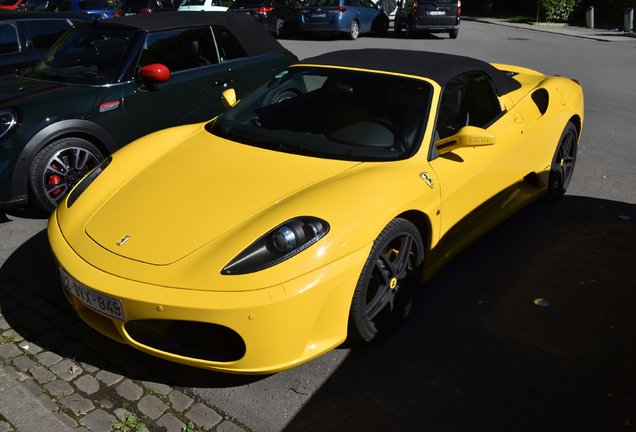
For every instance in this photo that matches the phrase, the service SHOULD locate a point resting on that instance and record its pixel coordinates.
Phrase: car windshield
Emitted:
(84, 55)
(247, 3)
(332, 113)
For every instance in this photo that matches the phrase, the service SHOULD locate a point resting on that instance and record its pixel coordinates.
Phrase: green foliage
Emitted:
(128, 423)
(188, 428)
(557, 10)
(9, 338)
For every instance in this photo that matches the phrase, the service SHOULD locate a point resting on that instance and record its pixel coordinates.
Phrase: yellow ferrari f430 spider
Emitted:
(310, 210)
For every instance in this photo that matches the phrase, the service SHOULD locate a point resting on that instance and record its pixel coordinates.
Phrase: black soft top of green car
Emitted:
(438, 67)
(250, 33)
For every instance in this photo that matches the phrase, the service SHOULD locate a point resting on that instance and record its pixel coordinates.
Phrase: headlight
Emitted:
(86, 182)
(8, 120)
(281, 243)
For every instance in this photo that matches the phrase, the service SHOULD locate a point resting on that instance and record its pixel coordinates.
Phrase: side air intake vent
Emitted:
(541, 99)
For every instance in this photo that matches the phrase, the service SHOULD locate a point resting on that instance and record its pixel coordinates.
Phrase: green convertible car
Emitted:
(107, 83)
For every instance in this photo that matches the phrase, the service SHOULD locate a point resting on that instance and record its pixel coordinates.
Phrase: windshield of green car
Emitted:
(332, 113)
(84, 55)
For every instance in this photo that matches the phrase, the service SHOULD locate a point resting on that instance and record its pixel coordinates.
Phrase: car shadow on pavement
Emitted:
(28, 212)
(477, 353)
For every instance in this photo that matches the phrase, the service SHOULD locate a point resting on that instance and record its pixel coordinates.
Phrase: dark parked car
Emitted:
(132, 7)
(26, 36)
(428, 16)
(100, 7)
(279, 17)
(349, 17)
(106, 84)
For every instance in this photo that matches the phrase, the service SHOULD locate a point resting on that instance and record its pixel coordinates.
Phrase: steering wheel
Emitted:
(400, 141)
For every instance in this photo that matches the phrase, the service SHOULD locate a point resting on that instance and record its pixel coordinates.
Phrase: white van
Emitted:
(203, 5)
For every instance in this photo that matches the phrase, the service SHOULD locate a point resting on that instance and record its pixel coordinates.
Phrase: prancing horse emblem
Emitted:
(122, 241)
(427, 179)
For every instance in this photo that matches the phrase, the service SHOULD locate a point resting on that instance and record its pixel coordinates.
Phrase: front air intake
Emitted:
(197, 340)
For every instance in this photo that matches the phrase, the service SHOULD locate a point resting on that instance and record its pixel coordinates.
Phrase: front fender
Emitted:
(89, 130)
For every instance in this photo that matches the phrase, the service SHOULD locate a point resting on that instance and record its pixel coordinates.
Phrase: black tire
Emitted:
(453, 33)
(386, 287)
(563, 163)
(58, 167)
(384, 29)
(396, 27)
(410, 31)
(354, 32)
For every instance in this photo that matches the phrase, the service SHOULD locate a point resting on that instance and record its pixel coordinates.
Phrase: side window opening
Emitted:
(229, 46)
(467, 100)
(180, 49)
(44, 33)
(9, 38)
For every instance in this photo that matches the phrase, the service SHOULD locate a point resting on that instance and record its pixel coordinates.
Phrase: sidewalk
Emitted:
(573, 30)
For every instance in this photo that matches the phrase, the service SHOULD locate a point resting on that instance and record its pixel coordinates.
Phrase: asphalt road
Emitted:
(476, 353)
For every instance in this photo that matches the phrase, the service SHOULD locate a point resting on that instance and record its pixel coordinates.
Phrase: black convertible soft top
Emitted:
(250, 33)
(438, 67)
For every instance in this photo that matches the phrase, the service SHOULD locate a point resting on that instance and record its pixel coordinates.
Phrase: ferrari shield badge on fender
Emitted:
(123, 240)
(427, 179)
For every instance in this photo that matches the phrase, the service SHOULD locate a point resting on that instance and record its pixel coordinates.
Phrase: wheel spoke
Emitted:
(56, 192)
(81, 159)
(379, 285)
(57, 166)
(393, 263)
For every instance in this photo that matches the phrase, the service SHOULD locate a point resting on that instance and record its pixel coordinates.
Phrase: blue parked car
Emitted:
(99, 7)
(349, 17)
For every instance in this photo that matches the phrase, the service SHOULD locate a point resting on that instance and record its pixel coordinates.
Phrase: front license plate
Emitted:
(93, 299)
(437, 12)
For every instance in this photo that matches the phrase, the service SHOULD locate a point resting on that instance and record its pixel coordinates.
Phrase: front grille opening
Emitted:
(541, 99)
(197, 340)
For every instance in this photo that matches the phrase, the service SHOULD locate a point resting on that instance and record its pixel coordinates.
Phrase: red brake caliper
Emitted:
(55, 179)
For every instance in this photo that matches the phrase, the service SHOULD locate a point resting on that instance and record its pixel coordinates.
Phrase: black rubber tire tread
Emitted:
(361, 329)
(560, 176)
(453, 34)
(410, 31)
(36, 192)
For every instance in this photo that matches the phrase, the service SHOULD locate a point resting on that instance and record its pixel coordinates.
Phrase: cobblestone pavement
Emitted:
(58, 374)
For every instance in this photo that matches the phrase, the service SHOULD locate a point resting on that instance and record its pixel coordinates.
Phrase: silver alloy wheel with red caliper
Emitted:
(59, 167)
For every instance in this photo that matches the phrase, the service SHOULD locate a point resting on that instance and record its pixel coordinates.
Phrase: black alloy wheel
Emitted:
(384, 294)
(563, 163)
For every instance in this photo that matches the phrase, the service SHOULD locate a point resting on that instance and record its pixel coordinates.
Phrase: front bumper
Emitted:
(279, 331)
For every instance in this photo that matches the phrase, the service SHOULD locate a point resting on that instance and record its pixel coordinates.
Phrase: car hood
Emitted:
(196, 191)
(20, 89)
